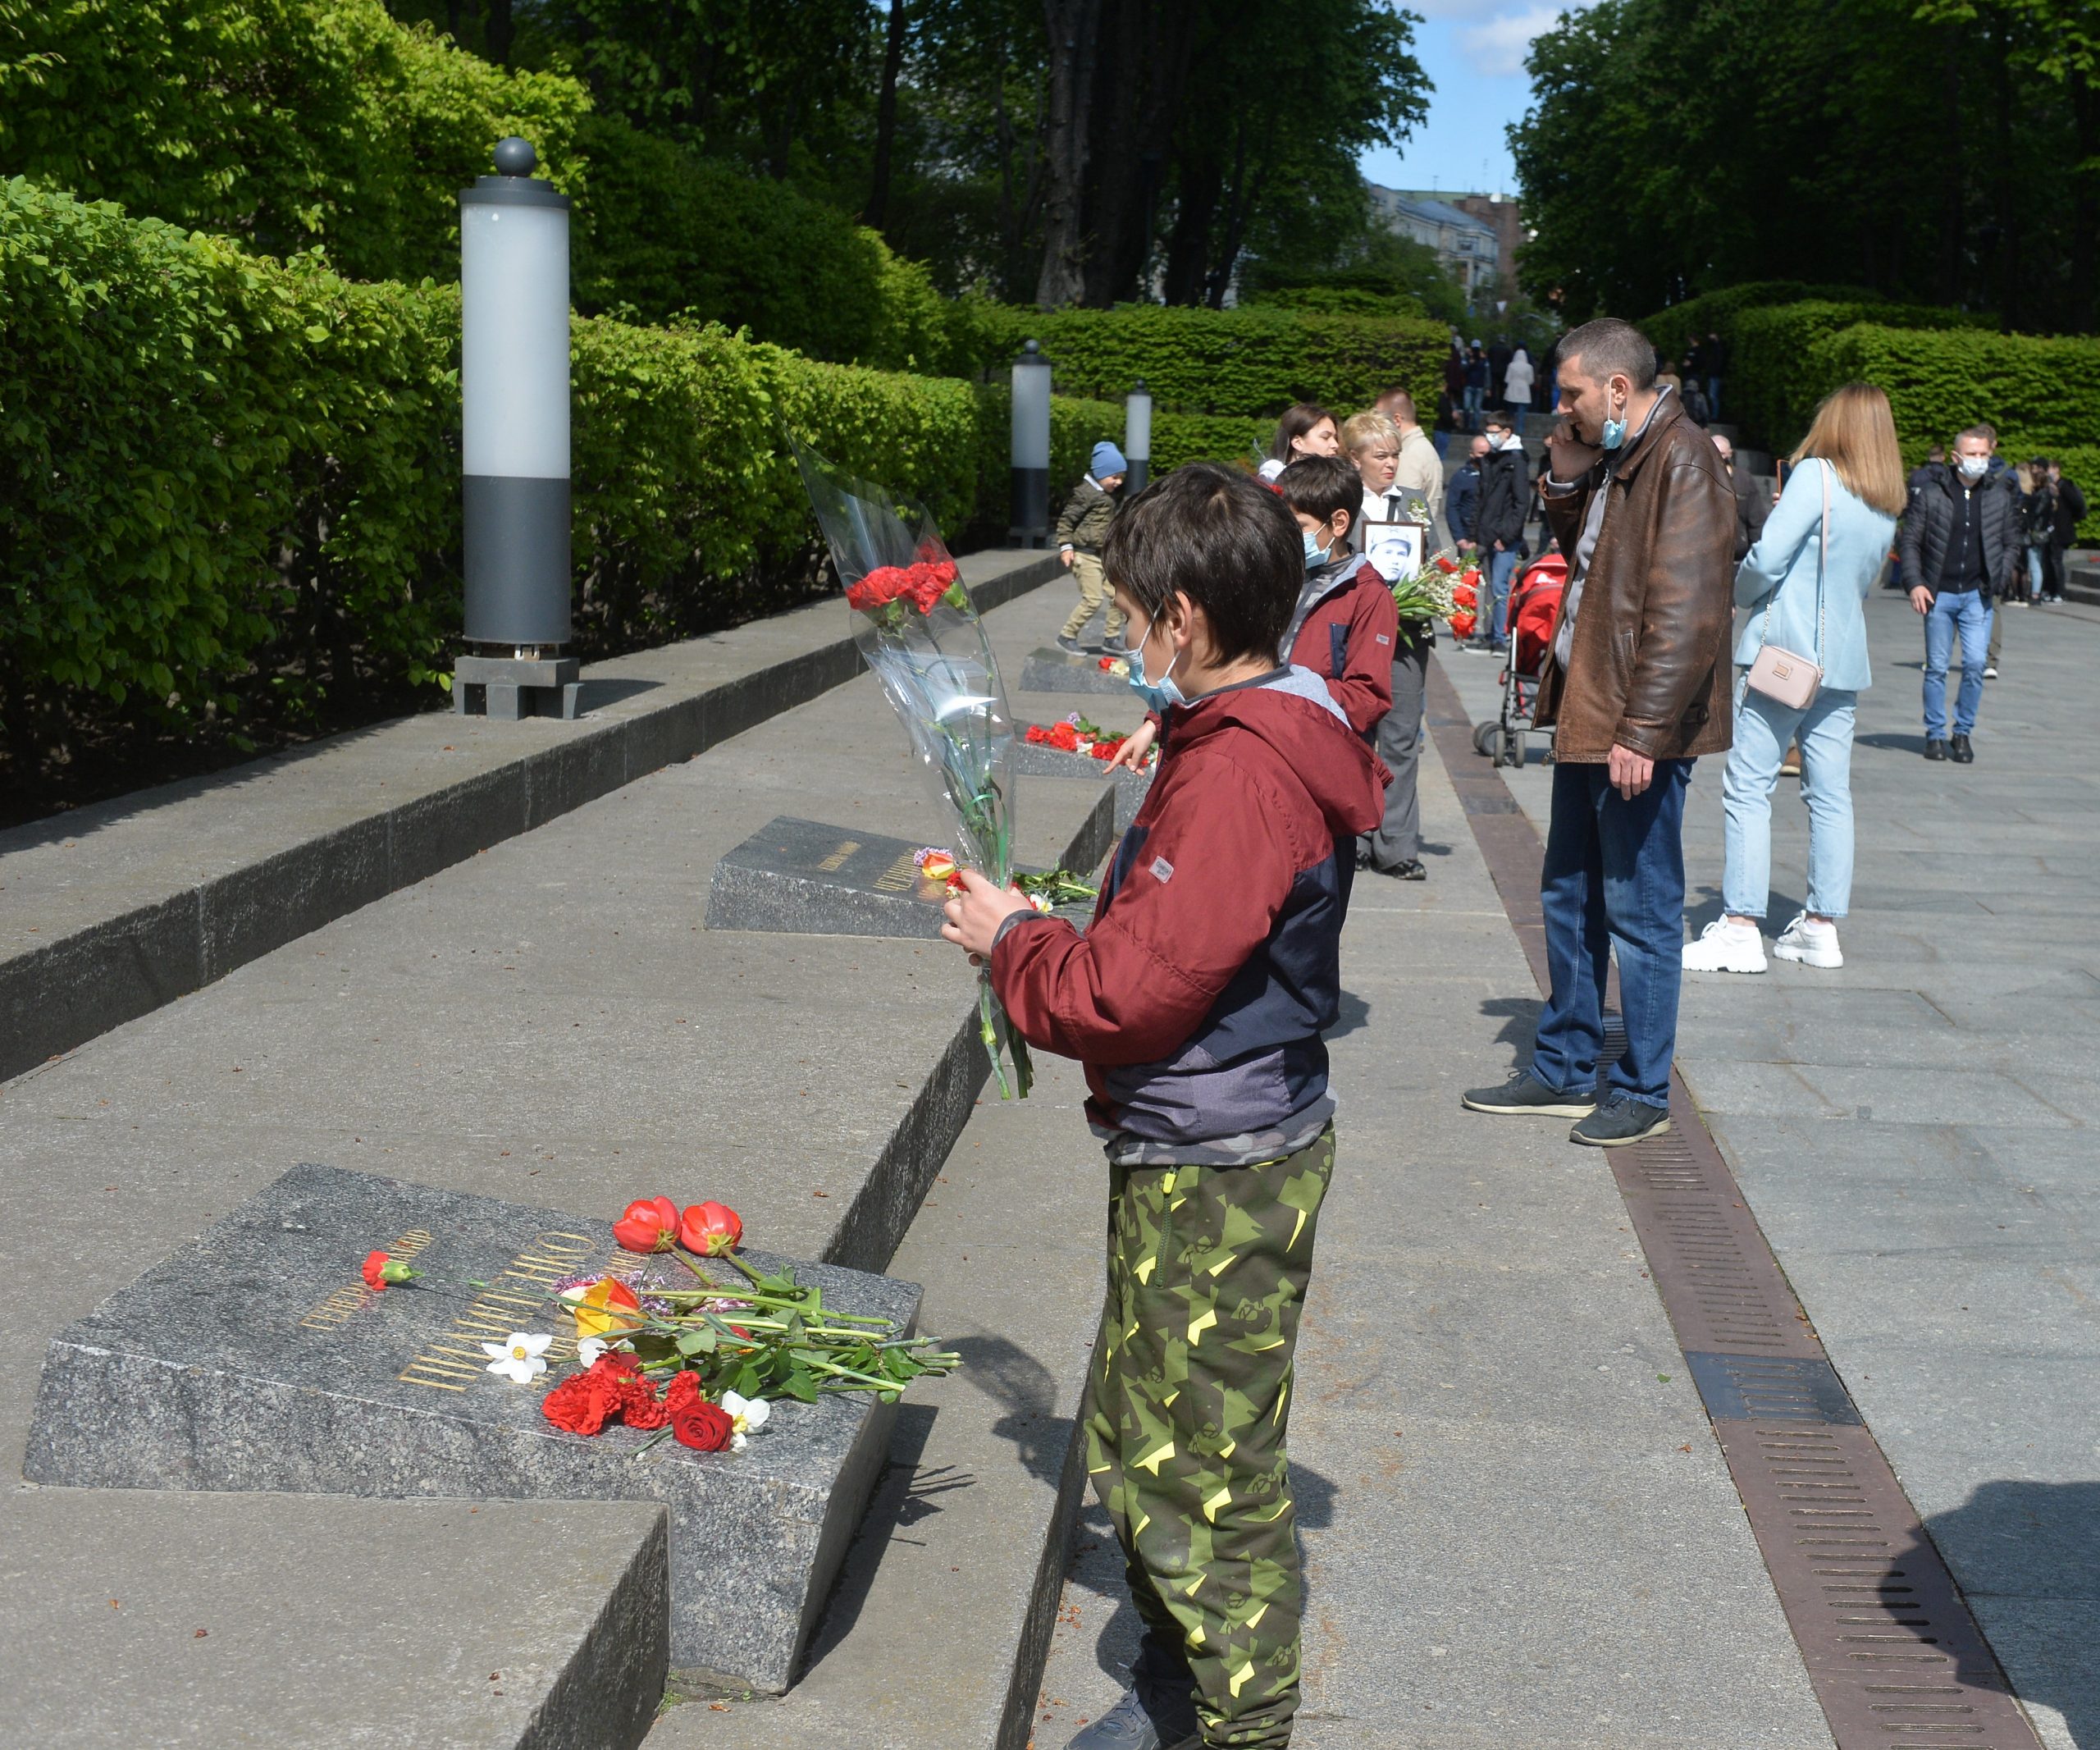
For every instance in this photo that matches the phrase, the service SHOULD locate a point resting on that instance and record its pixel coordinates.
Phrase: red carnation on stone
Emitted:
(380, 1270)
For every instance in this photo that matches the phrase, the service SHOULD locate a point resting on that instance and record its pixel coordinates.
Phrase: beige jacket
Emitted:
(1421, 471)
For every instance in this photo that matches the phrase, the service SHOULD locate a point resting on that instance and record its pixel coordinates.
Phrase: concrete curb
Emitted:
(58, 994)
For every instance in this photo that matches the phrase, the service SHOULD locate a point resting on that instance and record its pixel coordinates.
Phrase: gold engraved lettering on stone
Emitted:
(836, 861)
(495, 1313)
(337, 1309)
(901, 877)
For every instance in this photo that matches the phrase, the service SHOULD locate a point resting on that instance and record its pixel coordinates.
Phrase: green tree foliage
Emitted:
(665, 232)
(1943, 153)
(285, 124)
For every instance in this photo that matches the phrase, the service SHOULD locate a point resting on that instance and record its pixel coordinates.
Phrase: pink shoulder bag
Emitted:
(1777, 673)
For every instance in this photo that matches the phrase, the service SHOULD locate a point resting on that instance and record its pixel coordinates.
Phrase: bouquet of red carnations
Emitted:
(1076, 735)
(919, 630)
(664, 1346)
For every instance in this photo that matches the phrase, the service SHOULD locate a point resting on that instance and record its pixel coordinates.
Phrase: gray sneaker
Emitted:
(1525, 1093)
(1127, 1726)
(1620, 1120)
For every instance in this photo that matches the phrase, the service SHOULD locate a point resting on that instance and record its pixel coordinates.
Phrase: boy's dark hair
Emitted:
(1609, 347)
(1320, 484)
(1223, 540)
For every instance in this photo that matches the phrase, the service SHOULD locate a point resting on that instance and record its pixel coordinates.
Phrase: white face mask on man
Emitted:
(1972, 466)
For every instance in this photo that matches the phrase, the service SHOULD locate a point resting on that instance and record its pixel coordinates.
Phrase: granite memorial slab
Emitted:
(1032, 759)
(796, 877)
(1051, 670)
(803, 877)
(256, 1359)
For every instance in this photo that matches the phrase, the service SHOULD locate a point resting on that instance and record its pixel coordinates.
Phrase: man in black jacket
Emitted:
(1505, 500)
(1753, 504)
(2070, 512)
(1961, 546)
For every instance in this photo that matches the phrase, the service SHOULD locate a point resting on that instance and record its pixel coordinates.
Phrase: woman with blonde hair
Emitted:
(1806, 584)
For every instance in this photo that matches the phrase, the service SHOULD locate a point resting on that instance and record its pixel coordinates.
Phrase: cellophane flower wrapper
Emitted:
(915, 624)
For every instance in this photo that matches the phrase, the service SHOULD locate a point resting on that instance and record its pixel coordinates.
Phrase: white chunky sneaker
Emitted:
(1726, 946)
(1811, 943)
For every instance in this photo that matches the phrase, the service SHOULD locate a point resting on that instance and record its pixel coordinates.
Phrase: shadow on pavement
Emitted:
(2028, 1554)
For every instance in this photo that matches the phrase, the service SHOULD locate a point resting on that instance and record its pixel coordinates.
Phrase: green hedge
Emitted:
(284, 123)
(228, 485)
(1773, 387)
(1250, 362)
(2039, 393)
(225, 483)
(1675, 330)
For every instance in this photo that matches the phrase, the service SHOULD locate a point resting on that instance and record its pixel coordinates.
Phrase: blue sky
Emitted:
(1473, 53)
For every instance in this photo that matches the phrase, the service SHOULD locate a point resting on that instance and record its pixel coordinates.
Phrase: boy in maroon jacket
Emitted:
(1344, 623)
(1197, 999)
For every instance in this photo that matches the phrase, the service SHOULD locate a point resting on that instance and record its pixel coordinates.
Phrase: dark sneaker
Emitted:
(1525, 1093)
(1960, 752)
(1620, 1120)
(1128, 1726)
(1411, 871)
(1066, 642)
(1935, 750)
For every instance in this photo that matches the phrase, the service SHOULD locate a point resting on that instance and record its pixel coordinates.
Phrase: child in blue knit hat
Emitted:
(1081, 530)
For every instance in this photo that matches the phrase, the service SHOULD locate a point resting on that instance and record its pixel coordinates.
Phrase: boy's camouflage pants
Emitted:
(1191, 1396)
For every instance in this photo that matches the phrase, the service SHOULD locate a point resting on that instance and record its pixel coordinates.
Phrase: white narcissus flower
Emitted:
(589, 1349)
(746, 1415)
(520, 1358)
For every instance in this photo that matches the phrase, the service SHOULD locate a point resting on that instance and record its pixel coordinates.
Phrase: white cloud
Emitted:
(1497, 48)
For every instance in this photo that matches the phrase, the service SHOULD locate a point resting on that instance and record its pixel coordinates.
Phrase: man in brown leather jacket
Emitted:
(1637, 686)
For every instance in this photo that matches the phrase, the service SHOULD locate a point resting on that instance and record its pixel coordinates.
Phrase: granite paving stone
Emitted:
(1928, 1184)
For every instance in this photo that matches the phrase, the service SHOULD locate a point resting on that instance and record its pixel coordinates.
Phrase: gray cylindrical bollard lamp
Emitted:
(1136, 440)
(514, 381)
(1031, 450)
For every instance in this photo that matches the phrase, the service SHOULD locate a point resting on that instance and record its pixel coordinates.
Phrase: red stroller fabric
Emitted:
(1538, 600)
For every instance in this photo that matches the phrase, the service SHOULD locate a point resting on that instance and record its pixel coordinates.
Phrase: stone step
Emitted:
(936, 1636)
(311, 1622)
(546, 1023)
(114, 909)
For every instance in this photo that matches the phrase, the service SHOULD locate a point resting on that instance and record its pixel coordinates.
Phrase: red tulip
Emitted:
(711, 1229)
(648, 1224)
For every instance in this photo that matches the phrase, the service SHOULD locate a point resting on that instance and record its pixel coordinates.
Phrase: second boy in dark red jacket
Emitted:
(1345, 624)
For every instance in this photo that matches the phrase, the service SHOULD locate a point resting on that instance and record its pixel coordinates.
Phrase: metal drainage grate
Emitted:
(1771, 1388)
(1894, 1652)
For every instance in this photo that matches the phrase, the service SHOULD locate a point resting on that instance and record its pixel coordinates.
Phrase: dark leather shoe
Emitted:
(1935, 750)
(1960, 752)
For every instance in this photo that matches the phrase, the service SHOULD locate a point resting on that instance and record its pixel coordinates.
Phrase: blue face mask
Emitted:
(1162, 694)
(1615, 433)
(1315, 553)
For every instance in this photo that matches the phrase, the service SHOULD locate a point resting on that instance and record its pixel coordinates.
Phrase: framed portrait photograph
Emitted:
(1396, 549)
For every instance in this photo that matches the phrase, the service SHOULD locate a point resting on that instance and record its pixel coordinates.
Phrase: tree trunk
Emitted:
(1072, 32)
(2085, 201)
(2008, 285)
(877, 212)
(1949, 172)
(498, 31)
(1188, 246)
(1142, 74)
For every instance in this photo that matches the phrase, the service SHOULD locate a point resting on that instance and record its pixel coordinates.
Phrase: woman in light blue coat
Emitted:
(1805, 585)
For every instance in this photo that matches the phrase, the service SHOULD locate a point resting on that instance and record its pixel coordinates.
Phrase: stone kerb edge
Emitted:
(62, 994)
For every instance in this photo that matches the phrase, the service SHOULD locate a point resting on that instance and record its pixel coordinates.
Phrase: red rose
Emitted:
(710, 1229)
(696, 1423)
(648, 1224)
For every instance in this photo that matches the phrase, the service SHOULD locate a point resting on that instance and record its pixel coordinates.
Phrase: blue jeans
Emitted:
(1501, 568)
(1969, 613)
(1614, 877)
(1474, 396)
(1764, 727)
(1714, 397)
(2036, 569)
